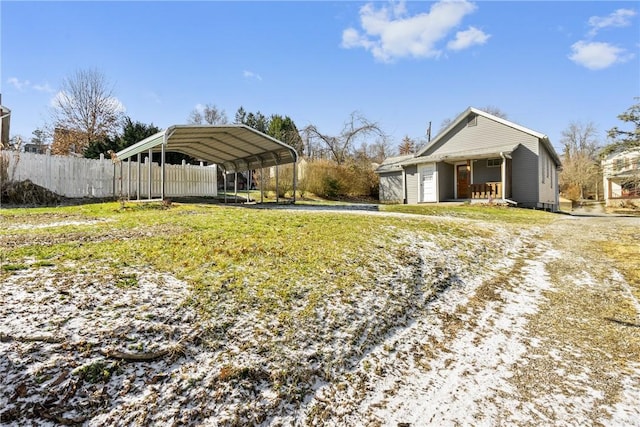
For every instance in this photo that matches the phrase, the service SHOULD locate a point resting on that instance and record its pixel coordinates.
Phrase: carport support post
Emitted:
(224, 182)
(139, 187)
(295, 179)
(277, 187)
(235, 187)
(150, 163)
(249, 184)
(261, 181)
(121, 179)
(129, 178)
(162, 169)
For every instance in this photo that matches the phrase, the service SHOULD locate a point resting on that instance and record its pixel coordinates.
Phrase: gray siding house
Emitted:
(477, 157)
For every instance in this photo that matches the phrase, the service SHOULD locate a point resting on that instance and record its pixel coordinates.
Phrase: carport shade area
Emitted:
(234, 148)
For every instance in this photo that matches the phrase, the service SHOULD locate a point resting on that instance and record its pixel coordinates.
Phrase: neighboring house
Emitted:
(36, 148)
(621, 174)
(477, 157)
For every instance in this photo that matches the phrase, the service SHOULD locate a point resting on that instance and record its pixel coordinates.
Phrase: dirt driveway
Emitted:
(554, 340)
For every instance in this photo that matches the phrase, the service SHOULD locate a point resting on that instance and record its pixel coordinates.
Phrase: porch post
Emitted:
(503, 176)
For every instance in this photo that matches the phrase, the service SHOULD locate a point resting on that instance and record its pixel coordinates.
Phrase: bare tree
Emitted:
(342, 145)
(85, 107)
(580, 169)
(209, 114)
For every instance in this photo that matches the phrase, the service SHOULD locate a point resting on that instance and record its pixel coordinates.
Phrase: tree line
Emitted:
(88, 120)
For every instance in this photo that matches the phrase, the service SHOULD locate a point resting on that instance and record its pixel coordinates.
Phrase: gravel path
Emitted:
(552, 340)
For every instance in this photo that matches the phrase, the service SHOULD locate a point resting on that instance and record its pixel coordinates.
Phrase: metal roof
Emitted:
(234, 147)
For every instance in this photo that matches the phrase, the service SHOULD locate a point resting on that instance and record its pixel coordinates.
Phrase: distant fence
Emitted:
(80, 177)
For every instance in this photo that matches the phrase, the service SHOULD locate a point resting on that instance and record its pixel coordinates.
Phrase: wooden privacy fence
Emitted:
(80, 177)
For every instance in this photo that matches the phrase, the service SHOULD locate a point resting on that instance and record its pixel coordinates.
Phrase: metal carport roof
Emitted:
(234, 147)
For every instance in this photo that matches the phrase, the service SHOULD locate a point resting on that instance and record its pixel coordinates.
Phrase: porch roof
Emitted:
(480, 153)
(393, 164)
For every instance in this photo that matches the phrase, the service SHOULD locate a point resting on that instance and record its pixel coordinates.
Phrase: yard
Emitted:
(206, 315)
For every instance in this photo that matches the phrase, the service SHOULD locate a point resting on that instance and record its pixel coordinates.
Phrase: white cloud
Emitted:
(468, 38)
(43, 88)
(390, 33)
(597, 55)
(619, 18)
(251, 75)
(17, 83)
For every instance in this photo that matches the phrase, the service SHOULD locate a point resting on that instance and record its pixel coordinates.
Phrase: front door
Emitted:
(462, 174)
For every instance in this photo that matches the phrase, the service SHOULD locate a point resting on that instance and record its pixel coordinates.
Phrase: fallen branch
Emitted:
(177, 348)
(35, 338)
(137, 357)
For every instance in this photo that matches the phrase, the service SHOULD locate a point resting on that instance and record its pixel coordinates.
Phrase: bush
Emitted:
(328, 179)
(285, 180)
(572, 192)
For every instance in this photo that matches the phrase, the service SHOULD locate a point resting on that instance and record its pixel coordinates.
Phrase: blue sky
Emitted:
(401, 64)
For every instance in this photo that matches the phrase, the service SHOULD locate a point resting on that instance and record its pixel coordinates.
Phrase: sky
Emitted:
(401, 64)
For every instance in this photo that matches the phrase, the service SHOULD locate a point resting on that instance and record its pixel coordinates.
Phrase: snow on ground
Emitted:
(444, 340)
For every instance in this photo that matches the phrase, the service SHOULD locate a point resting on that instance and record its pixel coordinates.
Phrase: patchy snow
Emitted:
(442, 339)
(56, 224)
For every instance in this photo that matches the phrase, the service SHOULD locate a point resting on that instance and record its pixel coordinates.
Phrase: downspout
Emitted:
(404, 185)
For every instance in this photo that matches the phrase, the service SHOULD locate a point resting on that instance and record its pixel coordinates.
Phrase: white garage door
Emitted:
(428, 182)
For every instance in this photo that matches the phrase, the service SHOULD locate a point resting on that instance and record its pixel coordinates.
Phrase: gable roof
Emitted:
(235, 147)
(463, 116)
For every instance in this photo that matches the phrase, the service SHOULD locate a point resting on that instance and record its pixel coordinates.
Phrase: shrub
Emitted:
(328, 179)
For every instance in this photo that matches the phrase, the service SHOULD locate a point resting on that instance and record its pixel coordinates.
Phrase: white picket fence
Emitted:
(79, 177)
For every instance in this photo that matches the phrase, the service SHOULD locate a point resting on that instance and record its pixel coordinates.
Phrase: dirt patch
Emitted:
(26, 193)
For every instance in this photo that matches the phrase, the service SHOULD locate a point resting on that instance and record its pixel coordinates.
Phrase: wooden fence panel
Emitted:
(80, 177)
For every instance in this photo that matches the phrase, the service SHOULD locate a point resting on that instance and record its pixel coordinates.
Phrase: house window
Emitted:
(494, 163)
(472, 120)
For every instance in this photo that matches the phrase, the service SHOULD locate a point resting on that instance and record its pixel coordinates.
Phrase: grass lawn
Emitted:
(282, 298)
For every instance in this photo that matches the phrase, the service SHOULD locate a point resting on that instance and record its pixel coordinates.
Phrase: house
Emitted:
(621, 175)
(478, 157)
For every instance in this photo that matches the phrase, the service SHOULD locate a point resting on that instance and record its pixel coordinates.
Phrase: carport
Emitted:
(234, 148)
